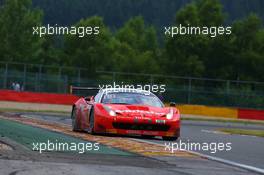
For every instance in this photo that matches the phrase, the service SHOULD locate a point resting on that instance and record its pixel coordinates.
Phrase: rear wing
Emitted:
(82, 90)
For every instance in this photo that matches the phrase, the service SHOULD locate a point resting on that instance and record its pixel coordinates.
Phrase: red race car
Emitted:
(126, 112)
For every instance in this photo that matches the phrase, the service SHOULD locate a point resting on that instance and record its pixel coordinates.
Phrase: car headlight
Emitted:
(170, 114)
(110, 111)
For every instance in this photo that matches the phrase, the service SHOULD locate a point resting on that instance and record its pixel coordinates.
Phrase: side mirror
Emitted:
(172, 104)
(88, 98)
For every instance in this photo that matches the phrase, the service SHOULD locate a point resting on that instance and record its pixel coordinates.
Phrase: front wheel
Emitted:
(169, 138)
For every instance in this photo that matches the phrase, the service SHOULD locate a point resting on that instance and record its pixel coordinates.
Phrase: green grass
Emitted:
(259, 133)
(223, 120)
(26, 135)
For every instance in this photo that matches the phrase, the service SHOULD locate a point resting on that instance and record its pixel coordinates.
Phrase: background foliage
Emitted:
(132, 40)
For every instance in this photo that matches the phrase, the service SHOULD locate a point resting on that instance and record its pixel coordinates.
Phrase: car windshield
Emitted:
(131, 98)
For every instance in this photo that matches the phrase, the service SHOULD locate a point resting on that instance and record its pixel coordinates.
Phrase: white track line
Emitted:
(228, 162)
(213, 132)
(226, 133)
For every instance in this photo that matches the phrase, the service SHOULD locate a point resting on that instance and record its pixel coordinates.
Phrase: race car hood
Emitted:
(131, 110)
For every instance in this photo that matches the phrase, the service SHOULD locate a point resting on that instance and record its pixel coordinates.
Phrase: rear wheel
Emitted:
(91, 122)
(169, 138)
(74, 122)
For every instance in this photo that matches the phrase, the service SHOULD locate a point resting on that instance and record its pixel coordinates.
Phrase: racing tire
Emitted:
(91, 122)
(74, 122)
(169, 138)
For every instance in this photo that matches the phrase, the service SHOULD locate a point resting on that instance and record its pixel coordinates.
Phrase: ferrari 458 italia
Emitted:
(126, 112)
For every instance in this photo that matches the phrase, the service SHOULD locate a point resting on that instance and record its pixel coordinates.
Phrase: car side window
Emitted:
(97, 97)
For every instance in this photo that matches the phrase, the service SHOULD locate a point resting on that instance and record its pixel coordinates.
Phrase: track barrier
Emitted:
(69, 99)
(33, 97)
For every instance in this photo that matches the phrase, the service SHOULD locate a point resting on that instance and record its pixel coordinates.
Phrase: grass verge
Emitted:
(254, 122)
(259, 133)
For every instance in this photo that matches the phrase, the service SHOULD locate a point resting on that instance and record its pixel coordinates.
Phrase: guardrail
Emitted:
(183, 90)
(68, 99)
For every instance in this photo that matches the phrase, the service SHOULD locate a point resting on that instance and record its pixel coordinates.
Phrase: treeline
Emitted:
(133, 46)
(117, 12)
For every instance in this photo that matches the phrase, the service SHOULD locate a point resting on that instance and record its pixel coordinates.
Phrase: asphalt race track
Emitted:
(247, 150)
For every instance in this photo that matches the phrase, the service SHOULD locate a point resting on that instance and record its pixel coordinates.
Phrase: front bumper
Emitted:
(137, 126)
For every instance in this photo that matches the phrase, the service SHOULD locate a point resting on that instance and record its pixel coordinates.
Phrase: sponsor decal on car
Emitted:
(140, 111)
(161, 121)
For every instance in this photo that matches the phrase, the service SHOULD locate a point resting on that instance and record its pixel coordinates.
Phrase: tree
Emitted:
(186, 54)
(136, 47)
(17, 18)
(248, 42)
(52, 51)
(239, 56)
(91, 51)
